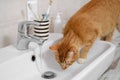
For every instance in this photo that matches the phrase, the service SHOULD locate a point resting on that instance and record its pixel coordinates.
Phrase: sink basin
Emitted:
(26, 65)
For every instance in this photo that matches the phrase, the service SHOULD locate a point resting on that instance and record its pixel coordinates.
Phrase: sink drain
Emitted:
(48, 75)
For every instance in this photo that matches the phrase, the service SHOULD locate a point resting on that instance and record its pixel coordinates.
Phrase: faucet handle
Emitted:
(24, 26)
(24, 37)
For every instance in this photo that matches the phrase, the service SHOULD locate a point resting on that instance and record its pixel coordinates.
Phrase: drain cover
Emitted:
(49, 75)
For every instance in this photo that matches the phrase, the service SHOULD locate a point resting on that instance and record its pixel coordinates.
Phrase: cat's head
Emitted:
(65, 55)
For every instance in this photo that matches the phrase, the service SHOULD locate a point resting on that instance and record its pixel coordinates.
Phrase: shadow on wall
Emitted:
(6, 41)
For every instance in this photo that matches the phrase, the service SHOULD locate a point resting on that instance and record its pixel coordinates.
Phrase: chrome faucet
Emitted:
(23, 35)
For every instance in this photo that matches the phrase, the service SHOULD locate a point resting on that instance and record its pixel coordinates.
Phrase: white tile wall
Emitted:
(67, 7)
(11, 13)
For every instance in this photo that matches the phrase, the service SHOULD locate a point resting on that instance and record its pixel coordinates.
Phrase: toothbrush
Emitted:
(46, 15)
(29, 6)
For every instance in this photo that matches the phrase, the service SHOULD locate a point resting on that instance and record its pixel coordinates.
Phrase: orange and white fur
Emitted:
(98, 18)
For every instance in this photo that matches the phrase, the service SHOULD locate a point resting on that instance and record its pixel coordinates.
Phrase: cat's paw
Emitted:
(81, 60)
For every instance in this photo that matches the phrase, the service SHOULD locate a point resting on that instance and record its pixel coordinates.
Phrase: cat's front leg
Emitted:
(108, 37)
(81, 60)
(84, 52)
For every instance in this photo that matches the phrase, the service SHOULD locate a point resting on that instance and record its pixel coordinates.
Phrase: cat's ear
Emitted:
(71, 54)
(54, 47)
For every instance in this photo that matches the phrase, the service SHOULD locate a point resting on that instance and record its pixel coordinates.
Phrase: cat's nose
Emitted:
(64, 67)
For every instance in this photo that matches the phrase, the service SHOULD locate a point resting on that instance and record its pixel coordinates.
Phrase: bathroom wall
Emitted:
(14, 11)
(67, 7)
(11, 13)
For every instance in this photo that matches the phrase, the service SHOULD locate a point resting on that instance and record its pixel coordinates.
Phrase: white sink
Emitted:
(17, 65)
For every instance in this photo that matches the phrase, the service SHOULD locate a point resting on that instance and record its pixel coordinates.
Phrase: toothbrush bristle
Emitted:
(51, 1)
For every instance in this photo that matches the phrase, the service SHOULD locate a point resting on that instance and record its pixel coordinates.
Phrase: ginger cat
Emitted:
(98, 18)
